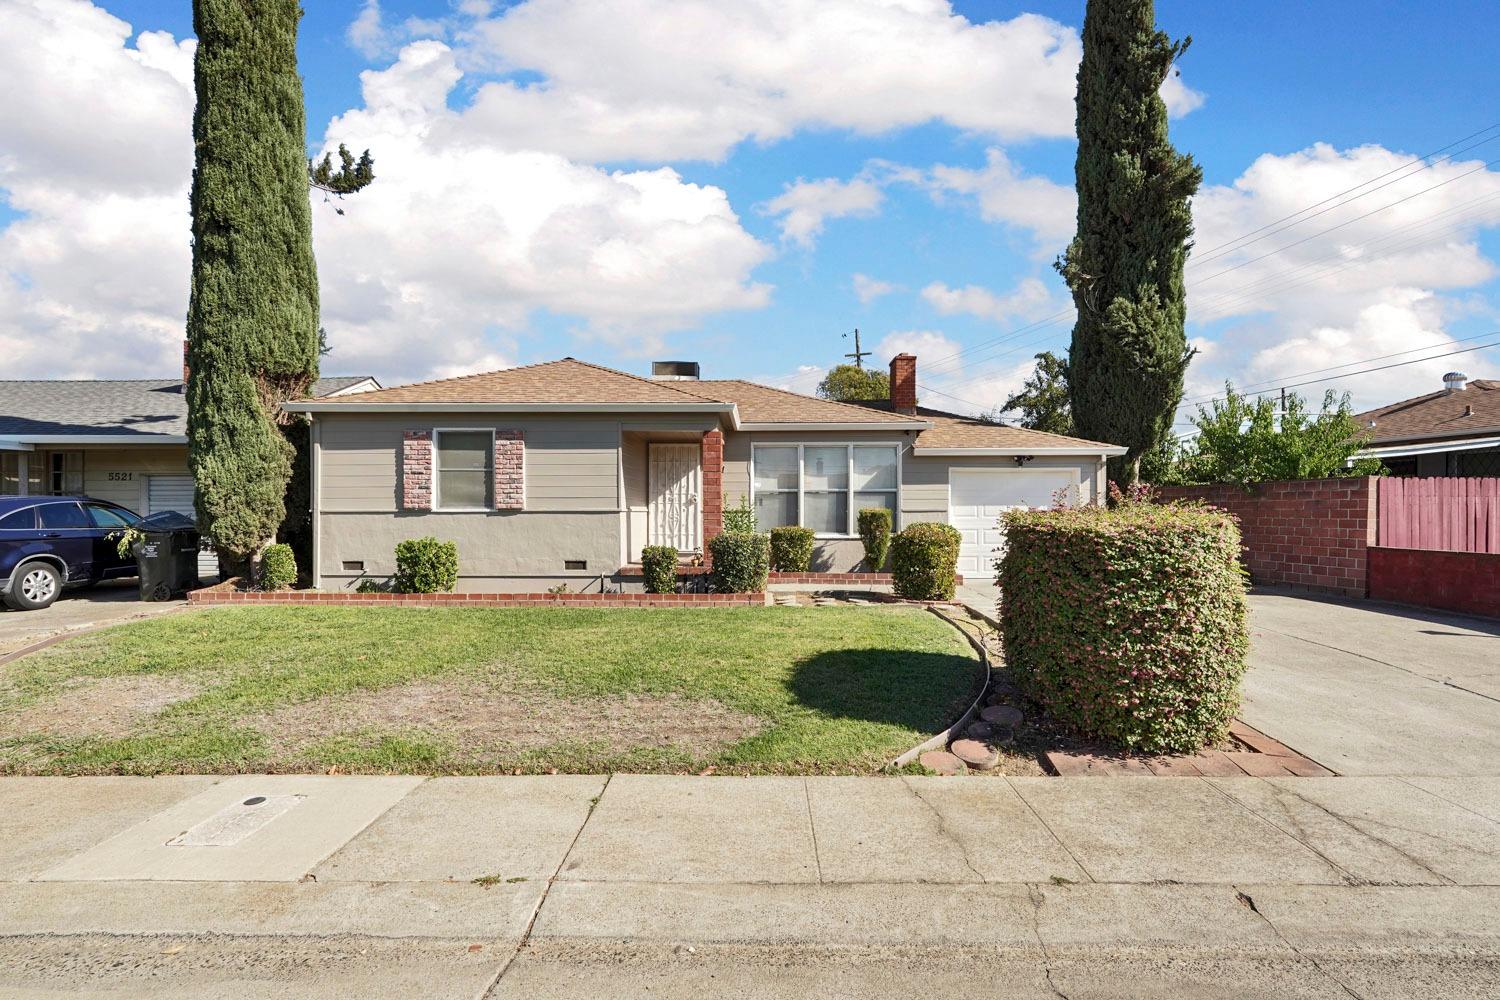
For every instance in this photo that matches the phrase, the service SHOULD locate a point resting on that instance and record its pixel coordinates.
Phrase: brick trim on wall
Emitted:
(711, 498)
(510, 470)
(228, 592)
(1311, 534)
(416, 470)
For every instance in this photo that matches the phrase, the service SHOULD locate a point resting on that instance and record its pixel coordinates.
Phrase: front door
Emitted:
(672, 511)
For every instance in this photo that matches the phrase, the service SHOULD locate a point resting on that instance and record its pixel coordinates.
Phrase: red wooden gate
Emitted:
(1457, 515)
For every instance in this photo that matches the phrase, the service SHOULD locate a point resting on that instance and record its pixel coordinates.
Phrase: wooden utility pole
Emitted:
(857, 354)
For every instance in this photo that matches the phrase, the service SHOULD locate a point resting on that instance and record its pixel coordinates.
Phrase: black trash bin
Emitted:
(166, 555)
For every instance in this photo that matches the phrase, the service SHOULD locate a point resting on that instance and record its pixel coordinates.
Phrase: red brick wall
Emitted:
(1454, 581)
(1313, 534)
(904, 383)
(510, 470)
(713, 486)
(416, 470)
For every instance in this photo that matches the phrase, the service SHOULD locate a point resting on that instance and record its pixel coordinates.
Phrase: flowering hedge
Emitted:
(1127, 623)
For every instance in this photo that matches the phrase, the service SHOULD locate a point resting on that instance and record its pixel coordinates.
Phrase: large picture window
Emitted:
(465, 470)
(822, 486)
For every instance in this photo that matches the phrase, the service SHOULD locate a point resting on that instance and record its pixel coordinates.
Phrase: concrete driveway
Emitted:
(1371, 689)
(107, 603)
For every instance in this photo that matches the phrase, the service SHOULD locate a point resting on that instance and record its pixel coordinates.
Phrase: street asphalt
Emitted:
(1382, 882)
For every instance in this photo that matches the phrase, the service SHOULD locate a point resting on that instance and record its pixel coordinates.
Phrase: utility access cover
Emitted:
(235, 822)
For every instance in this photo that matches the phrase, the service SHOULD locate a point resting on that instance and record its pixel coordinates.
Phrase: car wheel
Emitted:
(35, 586)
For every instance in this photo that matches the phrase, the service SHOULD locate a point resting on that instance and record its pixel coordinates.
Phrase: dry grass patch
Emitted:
(108, 707)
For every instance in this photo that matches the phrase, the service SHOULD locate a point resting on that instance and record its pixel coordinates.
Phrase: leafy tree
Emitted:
(253, 309)
(352, 176)
(1124, 266)
(846, 383)
(1244, 440)
(1043, 399)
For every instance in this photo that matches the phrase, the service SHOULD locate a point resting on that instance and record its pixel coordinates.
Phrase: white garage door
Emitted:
(977, 499)
(176, 493)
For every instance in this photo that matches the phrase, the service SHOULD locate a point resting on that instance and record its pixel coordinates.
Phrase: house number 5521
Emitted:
(121, 477)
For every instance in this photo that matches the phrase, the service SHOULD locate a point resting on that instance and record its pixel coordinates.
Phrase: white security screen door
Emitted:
(672, 512)
(978, 498)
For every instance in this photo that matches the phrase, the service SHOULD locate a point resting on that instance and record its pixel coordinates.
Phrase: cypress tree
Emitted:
(253, 309)
(1124, 266)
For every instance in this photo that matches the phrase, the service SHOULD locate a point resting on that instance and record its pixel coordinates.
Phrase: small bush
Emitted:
(660, 565)
(1127, 623)
(875, 536)
(740, 562)
(740, 520)
(426, 566)
(278, 567)
(924, 559)
(368, 586)
(791, 549)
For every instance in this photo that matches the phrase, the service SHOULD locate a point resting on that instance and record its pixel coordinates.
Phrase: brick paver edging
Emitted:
(956, 729)
(223, 594)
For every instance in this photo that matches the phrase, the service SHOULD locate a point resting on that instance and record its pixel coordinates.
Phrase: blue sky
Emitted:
(845, 142)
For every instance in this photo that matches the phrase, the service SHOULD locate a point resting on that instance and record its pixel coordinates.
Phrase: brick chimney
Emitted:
(185, 368)
(904, 384)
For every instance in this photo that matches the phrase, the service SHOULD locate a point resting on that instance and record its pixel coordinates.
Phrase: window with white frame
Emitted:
(464, 470)
(822, 486)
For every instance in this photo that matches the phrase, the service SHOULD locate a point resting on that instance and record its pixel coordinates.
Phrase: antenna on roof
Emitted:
(857, 354)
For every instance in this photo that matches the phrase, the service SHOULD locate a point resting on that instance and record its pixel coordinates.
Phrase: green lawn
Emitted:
(765, 690)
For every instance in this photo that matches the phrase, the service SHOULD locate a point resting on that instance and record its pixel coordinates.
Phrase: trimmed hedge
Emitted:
(425, 566)
(875, 536)
(741, 562)
(791, 549)
(278, 567)
(1128, 623)
(659, 563)
(924, 561)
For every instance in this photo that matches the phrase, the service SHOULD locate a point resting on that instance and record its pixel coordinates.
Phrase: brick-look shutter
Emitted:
(510, 470)
(416, 470)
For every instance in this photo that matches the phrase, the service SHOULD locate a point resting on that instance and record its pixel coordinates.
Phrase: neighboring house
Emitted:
(1452, 432)
(561, 472)
(122, 441)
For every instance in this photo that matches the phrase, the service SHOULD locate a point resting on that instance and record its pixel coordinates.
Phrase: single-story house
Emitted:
(561, 472)
(1452, 432)
(122, 441)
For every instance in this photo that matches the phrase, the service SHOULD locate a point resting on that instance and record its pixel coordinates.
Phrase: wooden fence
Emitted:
(1451, 514)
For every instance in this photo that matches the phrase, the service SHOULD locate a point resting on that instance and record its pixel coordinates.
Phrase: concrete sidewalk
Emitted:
(788, 887)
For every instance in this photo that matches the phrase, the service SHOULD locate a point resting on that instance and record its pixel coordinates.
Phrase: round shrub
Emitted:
(425, 566)
(1129, 623)
(791, 549)
(875, 536)
(278, 567)
(924, 560)
(741, 562)
(659, 562)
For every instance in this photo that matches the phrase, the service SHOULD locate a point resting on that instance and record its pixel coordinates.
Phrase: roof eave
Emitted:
(904, 425)
(1428, 448)
(8, 441)
(328, 406)
(1458, 437)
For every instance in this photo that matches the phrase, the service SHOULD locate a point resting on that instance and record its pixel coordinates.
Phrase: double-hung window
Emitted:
(822, 486)
(465, 470)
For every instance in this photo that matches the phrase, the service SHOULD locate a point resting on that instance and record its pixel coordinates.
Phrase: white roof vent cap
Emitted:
(1455, 381)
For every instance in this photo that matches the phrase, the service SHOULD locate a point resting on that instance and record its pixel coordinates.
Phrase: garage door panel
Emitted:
(176, 493)
(980, 498)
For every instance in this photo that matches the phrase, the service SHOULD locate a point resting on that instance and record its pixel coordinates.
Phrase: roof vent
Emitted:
(1455, 381)
(675, 371)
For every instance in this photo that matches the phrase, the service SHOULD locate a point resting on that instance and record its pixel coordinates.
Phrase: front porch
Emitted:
(673, 489)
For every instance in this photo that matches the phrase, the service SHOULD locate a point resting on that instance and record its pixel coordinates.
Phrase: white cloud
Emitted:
(868, 289)
(372, 37)
(1005, 196)
(944, 384)
(1179, 97)
(804, 207)
(367, 31)
(1031, 299)
(438, 265)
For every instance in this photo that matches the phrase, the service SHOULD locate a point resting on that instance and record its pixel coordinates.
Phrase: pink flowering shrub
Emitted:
(1128, 623)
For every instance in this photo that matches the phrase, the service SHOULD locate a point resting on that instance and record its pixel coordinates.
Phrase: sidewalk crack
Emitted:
(943, 829)
(1034, 893)
(536, 911)
(1249, 903)
(812, 826)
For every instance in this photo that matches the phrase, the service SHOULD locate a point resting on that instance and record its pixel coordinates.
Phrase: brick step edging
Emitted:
(229, 595)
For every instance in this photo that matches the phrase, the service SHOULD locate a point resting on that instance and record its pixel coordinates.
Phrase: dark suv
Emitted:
(47, 543)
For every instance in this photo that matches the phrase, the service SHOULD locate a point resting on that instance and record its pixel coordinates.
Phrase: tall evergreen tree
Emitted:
(253, 310)
(1129, 350)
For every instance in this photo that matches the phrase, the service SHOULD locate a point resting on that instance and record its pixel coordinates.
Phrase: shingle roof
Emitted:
(761, 404)
(954, 430)
(130, 408)
(1437, 415)
(566, 381)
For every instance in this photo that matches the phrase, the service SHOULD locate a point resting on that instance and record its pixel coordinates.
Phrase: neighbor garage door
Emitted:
(977, 498)
(176, 493)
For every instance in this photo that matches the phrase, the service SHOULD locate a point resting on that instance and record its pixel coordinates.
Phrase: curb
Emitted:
(940, 740)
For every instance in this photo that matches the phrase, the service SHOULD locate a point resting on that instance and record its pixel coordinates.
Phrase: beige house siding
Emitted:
(119, 475)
